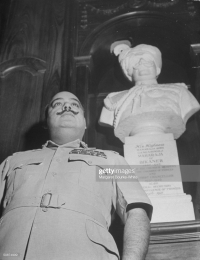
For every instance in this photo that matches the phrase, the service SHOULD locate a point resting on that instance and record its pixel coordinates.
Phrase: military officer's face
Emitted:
(66, 113)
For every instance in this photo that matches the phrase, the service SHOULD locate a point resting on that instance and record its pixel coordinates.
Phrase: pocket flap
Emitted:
(90, 160)
(101, 236)
(30, 161)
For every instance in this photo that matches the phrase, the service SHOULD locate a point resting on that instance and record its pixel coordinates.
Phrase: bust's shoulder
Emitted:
(179, 86)
(116, 96)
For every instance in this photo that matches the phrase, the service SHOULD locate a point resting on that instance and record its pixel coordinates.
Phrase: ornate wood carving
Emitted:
(34, 64)
(30, 64)
(163, 4)
(81, 83)
(195, 59)
(131, 4)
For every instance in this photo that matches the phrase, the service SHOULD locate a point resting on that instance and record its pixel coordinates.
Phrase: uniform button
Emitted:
(90, 162)
(54, 174)
(58, 160)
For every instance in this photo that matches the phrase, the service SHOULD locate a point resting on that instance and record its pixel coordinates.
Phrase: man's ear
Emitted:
(46, 111)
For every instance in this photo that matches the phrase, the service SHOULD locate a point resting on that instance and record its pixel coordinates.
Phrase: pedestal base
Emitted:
(172, 208)
(162, 185)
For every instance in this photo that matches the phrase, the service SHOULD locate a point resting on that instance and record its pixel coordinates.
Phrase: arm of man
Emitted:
(3, 172)
(135, 210)
(136, 235)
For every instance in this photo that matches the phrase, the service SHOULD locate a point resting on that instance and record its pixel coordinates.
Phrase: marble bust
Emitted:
(147, 107)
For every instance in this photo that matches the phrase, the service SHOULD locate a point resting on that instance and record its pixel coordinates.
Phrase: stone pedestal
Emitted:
(155, 159)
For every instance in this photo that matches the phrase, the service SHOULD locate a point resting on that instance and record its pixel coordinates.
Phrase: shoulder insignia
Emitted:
(88, 151)
(113, 151)
(20, 152)
(17, 153)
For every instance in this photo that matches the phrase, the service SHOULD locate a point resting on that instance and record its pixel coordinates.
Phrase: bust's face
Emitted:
(146, 57)
(142, 67)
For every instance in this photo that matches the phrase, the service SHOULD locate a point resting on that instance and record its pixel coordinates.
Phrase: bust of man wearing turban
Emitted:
(148, 107)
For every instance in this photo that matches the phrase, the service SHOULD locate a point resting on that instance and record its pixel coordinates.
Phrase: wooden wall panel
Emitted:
(20, 99)
(31, 29)
(36, 28)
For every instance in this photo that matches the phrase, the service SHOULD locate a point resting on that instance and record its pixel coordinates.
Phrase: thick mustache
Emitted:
(67, 110)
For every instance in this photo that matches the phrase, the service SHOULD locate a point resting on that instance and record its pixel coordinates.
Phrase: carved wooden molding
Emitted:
(106, 12)
(133, 4)
(83, 61)
(174, 232)
(195, 55)
(163, 4)
(195, 64)
(30, 64)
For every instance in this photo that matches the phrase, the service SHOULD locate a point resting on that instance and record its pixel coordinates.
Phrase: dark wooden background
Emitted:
(34, 42)
(52, 45)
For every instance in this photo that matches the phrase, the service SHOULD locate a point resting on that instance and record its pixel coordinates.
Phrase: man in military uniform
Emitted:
(53, 205)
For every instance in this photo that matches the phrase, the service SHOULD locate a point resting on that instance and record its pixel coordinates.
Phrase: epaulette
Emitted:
(35, 150)
(112, 151)
(88, 151)
(16, 153)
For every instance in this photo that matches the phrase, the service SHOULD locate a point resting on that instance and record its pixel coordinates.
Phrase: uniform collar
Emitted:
(74, 144)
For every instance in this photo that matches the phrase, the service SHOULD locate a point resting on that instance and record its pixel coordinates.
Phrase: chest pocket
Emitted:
(22, 171)
(90, 167)
(88, 159)
(89, 174)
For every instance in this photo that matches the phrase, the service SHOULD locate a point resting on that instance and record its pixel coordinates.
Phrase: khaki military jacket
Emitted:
(55, 208)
